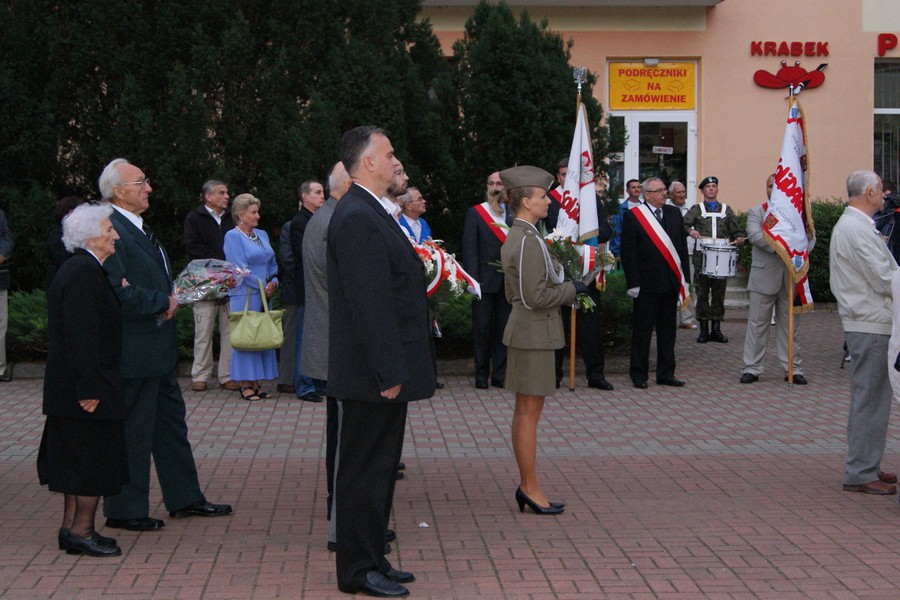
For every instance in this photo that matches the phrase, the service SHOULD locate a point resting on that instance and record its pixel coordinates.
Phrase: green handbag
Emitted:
(252, 330)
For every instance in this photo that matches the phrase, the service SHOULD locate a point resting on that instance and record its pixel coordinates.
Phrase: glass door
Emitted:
(656, 144)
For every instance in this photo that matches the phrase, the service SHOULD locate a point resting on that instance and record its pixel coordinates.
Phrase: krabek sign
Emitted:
(666, 86)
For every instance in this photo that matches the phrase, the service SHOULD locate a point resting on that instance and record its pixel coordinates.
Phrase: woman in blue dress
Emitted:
(249, 248)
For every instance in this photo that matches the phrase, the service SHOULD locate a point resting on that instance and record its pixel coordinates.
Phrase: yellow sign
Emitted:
(666, 86)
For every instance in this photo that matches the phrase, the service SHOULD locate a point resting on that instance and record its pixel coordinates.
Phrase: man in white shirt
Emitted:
(414, 206)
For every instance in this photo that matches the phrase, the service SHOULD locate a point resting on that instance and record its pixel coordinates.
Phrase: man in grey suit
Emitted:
(862, 272)
(314, 348)
(155, 425)
(768, 289)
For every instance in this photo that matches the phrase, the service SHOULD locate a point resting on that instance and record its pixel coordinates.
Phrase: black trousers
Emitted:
(371, 441)
(331, 436)
(489, 317)
(653, 311)
(588, 338)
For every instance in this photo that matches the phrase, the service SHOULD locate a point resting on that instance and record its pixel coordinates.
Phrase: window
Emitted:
(887, 121)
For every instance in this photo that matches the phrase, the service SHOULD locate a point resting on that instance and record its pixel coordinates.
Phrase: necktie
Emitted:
(150, 235)
(658, 212)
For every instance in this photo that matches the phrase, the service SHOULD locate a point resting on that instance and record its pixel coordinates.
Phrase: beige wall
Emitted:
(740, 125)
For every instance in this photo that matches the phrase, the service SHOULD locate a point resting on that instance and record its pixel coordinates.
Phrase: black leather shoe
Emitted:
(380, 586)
(401, 466)
(601, 384)
(798, 380)
(204, 508)
(438, 386)
(102, 540)
(641, 385)
(522, 500)
(481, 385)
(400, 576)
(399, 475)
(145, 524)
(75, 544)
(498, 383)
(751, 378)
(670, 381)
(390, 535)
(311, 397)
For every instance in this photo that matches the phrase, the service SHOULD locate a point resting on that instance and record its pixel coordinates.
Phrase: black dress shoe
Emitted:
(398, 475)
(380, 586)
(498, 383)
(145, 524)
(751, 378)
(438, 386)
(481, 385)
(399, 576)
(641, 385)
(99, 539)
(311, 397)
(670, 381)
(390, 535)
(601, 384)
(75, 544)
(401, 466)
(522, 500)
(204, 508)
(798, 380)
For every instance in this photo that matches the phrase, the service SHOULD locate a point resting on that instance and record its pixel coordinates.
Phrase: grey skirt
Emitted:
(531, 372)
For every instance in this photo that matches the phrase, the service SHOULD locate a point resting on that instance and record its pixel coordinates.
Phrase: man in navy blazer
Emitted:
(141, 274)
(380, 357)
(654, 283)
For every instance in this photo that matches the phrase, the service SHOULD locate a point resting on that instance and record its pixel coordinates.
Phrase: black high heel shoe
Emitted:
(522, 500)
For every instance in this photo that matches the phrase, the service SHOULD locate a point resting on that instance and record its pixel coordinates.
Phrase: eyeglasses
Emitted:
(140, 182)
(495, 183)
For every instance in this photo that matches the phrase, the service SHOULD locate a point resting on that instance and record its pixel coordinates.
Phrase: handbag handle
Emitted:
(262, 294)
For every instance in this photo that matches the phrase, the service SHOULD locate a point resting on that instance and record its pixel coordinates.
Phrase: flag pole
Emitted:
(578, 74)
(790, 293)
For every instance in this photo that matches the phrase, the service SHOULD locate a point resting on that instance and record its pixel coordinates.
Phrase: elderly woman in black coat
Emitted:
(82, 452)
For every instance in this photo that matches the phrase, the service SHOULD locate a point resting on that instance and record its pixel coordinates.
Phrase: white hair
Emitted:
(83, 224)
(110, 178)
(860, 181)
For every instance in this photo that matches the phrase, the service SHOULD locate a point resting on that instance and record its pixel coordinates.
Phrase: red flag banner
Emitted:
(788, 226)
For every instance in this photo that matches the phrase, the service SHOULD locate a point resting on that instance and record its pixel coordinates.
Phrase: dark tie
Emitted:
(150, 235)
(658, 212)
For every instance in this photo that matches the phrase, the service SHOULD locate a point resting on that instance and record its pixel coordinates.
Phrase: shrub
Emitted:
(616, 308)
(26, 337)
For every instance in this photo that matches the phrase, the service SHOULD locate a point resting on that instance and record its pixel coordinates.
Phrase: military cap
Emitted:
(707, 180)
(525, 176)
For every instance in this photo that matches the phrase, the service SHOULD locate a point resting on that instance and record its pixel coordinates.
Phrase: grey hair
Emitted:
(241, 204)
(672, 186)
(110, 178)
(84, 224)
(645, 186)
(210, 184)
(338, 177)
(404, 198)
(859, 181)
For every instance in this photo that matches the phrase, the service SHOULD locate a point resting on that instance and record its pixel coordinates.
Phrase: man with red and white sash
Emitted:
(655, 260)
(483, 233)
(711, 220)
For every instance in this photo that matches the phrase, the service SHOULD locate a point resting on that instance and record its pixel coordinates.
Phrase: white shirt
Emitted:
(218, 218)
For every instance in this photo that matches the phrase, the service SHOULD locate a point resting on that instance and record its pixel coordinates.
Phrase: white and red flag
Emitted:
(788, 226)
(578, 218)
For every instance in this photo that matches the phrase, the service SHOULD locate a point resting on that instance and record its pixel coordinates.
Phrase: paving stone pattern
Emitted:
(714, 490)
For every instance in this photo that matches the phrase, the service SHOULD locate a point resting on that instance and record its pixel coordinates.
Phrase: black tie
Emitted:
(150, 235)
(658, 212)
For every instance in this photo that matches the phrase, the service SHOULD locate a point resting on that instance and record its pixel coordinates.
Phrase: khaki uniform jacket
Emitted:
(528, 283)
(726, 228)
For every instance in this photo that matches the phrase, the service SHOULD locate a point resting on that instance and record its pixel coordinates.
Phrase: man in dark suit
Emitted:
(654, 258)
(380, 357)
(588, 325)
(141, 273)
(483, 234)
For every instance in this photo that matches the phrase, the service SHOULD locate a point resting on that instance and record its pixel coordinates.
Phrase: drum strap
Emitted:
(714, 216)
(654, 230)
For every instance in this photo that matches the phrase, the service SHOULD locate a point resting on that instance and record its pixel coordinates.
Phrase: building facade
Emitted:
(701, 86)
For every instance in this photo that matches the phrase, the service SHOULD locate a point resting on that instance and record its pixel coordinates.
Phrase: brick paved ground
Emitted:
(715, 490)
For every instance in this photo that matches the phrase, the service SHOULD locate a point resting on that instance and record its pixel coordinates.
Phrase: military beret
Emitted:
(525, 176)
(707, 180)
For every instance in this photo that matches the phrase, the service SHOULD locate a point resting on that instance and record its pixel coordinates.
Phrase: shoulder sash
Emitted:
(647, 220)
(492, 221)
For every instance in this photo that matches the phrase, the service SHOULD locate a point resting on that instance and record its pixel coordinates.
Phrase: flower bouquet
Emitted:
(579, 263)
(444, 277)
(206, 279)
